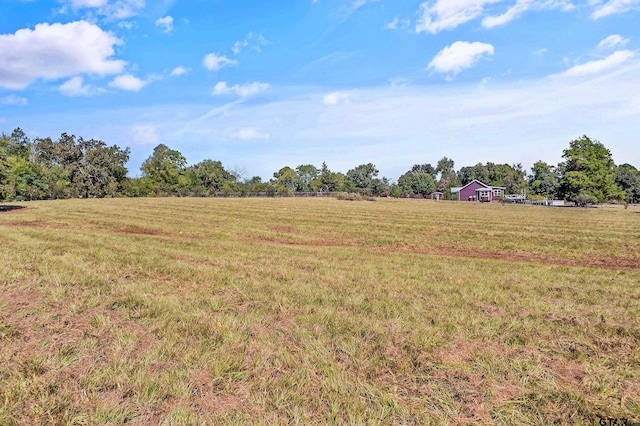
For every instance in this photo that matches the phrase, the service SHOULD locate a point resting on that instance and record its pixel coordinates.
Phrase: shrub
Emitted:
(348, 197)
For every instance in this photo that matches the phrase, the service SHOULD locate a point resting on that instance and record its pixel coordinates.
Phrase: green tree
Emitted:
(424, 168)
(417, 182)
(5, 187)
(328, 181)
(543, 180)
(286, 180)
(362, 177)
(209, 175)
(28, 179)
(447, 176)
(18, 144)
(627, 178)
(164, 168)
(589, 171)
(307, 173)
(512, 178)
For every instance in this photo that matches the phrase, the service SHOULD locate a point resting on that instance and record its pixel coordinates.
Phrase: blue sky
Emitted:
(262, 85)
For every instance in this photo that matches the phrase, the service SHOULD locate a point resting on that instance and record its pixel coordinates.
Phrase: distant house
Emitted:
(437, 195)
(478, 191)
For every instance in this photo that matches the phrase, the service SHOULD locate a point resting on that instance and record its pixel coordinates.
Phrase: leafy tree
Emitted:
(417, 182)
(362, 177)
(627, 178)
(445, 165)
(209, 176)
(543, 180)
(100, 169)
(307, 173)
(504, 175)
(286, 179)
(424, 168)
(448, 176)
(328, 181)
(18, 144)
(27, 178)
(396, 191)
(589, 171)
(164, 168)
(5, 191)
(380, 186)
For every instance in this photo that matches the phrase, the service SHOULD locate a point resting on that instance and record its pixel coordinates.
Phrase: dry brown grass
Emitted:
(315, 311)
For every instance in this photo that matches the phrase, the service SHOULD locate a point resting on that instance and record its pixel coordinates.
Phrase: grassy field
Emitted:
(317, 311)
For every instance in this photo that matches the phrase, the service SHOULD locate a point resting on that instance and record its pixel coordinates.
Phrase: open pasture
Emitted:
(316, 311)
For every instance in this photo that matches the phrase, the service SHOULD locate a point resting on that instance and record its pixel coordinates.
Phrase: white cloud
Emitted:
(250, 135)
(238, 46)
(393, 24)
(513, 12)
(335, 98)
(53, 51)
(145, 134)
(116, 9)
(128, 82)
(460, 55)
(127, 25)
(13, 100)
(78, 4)
(165, 23)
(180, 70)
(397, 23)
(523, 6)
(600, 65)
(612, 41)
(75, 87)
(613, 7)
(439, 15)
(244, 91)
(214, 62)
(253, 41)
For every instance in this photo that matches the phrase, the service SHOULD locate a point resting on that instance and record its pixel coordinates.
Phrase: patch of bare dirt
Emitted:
(284, 229)
(568, 373)
(135, 230)
(490, 309)
(603, 262)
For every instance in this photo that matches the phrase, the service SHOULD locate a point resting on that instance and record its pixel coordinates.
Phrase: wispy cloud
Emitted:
(13, 100)
(76, 87)
(350, 7)
(180, 70)
(460, 55)
(600, 65)
(241, 90)
(145, 134)
(166, 24)
(613, 7)
(440, 15)
(129, 83)
(249, 135)
(253, 41)
(114, 9)
(214, 62)
(335, 98)
(612, 41)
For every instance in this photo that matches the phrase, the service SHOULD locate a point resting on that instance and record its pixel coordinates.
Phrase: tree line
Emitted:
(73, 167)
